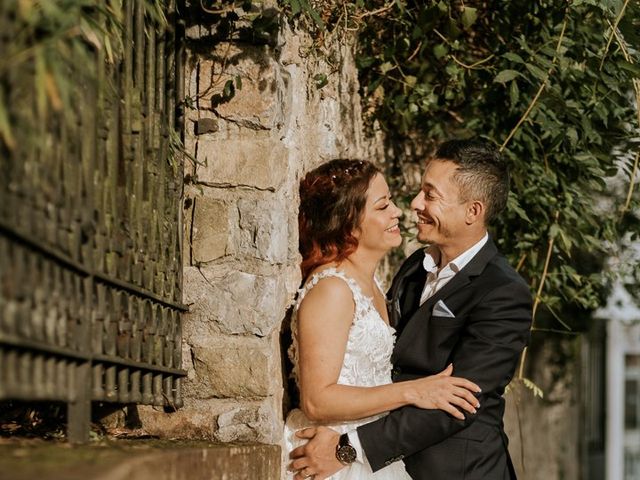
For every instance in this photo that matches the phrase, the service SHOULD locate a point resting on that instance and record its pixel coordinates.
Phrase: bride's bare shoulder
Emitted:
(327, 289)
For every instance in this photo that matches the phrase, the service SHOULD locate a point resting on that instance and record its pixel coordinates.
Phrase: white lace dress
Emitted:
(366, 364)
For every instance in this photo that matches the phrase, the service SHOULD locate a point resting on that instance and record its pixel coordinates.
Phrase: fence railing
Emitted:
(91, 232)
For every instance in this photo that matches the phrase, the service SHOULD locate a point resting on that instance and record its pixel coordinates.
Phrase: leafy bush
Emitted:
(556, 85)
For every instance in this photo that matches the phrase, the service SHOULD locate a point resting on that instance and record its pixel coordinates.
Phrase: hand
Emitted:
(317, 457)
(444, 392)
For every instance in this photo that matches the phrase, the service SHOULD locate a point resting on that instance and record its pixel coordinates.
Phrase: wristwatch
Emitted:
(345, 453)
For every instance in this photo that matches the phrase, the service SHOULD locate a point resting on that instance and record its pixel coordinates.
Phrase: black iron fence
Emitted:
(90, 230)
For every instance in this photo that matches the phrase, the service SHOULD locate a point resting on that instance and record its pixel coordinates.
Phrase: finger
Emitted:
(463, 404)
(453, 411)
(468, 396)
(305, 472)
(464, 383)
(309, 432)
(304, 475)
(297, 452)
(447, 371)
(298, 464)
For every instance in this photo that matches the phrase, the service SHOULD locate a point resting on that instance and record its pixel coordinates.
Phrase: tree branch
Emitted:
(536, 302)
(613, 32)
(544, 84)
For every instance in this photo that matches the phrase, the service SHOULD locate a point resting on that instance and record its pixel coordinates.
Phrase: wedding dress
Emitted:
(366, 364)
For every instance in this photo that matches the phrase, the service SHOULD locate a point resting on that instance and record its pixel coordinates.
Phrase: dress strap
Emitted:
(330, 272)
(379, 285)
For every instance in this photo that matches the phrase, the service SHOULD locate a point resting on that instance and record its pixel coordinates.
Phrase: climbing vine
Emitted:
(555, 85)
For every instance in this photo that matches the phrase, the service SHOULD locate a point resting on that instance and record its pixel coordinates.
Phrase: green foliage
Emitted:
(247, 20)
(49, 50)
(547, 81)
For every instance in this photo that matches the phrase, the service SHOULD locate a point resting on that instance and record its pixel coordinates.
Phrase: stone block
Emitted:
(210, 229)
(253, 75)
(235, 367)
(233, 302)
(206, 125)
(140, 459)
(217, 419)
(251, 160)
(250, 423)
(264, 228)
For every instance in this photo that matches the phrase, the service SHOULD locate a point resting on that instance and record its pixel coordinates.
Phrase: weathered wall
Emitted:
(241, 203)
(544, 433)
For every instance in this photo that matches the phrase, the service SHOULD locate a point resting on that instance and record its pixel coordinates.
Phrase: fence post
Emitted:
(79, 408)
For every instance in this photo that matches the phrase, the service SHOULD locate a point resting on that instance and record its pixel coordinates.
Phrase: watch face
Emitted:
(346, 454)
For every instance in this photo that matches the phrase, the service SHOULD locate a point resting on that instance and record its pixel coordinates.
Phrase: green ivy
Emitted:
(549, 83)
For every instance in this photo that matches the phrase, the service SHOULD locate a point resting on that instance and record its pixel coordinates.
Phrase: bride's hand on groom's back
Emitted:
(316, 459)
(445, 392)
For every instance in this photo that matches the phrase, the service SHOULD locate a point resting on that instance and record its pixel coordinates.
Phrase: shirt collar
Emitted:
(432, 257)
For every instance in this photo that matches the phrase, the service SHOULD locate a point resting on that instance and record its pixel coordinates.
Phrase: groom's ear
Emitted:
(475, 212)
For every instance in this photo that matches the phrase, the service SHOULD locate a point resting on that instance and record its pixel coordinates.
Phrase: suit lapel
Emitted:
(416, 317)
(403, 288)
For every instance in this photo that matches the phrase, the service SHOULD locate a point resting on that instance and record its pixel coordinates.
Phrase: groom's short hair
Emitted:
(482, 173)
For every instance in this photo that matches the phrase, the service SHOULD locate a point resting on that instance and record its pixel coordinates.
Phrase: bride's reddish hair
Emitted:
(332, 201)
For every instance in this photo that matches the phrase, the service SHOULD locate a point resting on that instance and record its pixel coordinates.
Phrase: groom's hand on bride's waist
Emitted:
(316, 458)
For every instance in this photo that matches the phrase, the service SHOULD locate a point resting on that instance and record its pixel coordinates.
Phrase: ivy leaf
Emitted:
(630, 67)
(440, 50)
(513, 57)
(5, 126)
(386, 66)
(506, 76)
(312, 13)
(514, 93)
(229, 89)
(514, 206)
(572, 134)
(567, 243)
(536, 71)
(295, 6)
(469, 16)
(320, 79)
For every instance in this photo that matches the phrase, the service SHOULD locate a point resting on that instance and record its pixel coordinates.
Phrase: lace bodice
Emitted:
(367, 363)
(367, 358)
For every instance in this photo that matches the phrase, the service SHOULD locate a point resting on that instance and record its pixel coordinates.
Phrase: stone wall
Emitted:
(241, 203)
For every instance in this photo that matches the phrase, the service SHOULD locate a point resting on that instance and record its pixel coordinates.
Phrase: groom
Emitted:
(457, 301)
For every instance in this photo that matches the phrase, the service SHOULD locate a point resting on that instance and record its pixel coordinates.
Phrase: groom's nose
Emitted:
(418, 202)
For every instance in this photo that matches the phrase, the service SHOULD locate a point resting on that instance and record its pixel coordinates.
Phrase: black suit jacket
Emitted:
(492, 308)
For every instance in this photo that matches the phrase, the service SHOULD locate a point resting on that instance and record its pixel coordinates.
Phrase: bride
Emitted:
(342, 340)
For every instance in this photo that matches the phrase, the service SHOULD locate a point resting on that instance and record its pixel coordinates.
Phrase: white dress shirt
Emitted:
(436, 279)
